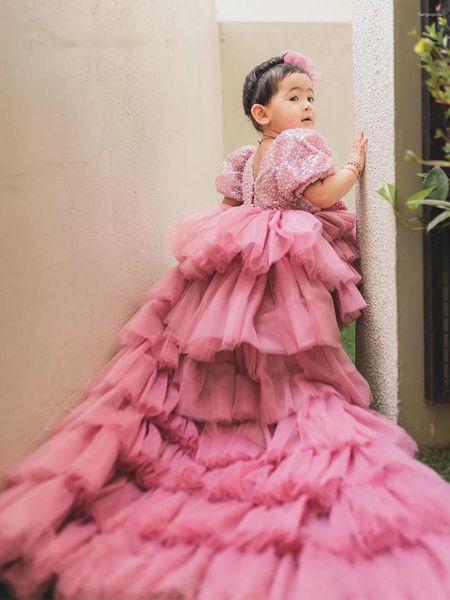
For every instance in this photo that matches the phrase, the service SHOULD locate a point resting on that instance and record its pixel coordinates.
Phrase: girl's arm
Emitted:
(325, 192)
(231, 201)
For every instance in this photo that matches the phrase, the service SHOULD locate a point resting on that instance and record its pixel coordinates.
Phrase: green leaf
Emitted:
(429, 202)
(410, 155)
(445, 214)
(437, 178)
(388, 192)
(432, 29)
(416, 199)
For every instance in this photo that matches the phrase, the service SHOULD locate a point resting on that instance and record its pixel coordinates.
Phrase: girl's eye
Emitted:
(309, 98)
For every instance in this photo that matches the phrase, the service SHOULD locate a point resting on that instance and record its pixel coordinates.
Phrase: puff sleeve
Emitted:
(229, 179)
(301, 157)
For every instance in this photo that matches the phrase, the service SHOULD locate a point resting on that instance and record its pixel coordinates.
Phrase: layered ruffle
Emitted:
(322, 246)
(233, 308)
(339, 229)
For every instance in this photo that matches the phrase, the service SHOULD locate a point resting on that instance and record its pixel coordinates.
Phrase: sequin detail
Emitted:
(296, 158)
(229, 180)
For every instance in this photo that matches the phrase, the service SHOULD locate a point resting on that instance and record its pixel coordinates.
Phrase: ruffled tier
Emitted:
(234, 385)
(147, 570)
(279, 312)
(339, 229)
(332, 486)
(323, 244)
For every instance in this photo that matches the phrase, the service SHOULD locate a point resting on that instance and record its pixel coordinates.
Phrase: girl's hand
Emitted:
(358, 150)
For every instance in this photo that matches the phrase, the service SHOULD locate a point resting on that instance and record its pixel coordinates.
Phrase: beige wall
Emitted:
(244, 45)
(284, 11)
(101, 151)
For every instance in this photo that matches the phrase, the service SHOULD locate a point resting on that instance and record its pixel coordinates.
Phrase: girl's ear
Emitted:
(259, 113)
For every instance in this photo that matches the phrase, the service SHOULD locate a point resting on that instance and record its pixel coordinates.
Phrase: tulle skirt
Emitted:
(228, 449)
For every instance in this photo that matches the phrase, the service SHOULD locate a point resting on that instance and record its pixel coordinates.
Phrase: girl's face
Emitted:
(290, 106)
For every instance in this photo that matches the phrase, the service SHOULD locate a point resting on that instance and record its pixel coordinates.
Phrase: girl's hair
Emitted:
(262, 83)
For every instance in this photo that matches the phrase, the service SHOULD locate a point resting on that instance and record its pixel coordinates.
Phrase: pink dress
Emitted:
(228, 451)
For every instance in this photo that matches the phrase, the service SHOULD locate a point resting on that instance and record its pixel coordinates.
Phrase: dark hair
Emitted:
(262, 83)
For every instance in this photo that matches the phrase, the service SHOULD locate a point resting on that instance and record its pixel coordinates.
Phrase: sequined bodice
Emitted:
(263, 190)
(296, 158)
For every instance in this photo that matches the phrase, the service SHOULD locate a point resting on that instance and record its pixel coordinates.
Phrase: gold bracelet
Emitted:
(352, 162)
(352, 170)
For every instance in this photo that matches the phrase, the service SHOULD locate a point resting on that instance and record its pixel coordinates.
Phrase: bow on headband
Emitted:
(295, 58)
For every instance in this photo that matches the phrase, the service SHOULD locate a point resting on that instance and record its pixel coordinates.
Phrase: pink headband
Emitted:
(295, 58)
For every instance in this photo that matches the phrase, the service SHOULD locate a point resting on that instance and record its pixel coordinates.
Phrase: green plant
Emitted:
(438, 459)
(433, 50)
(348, 340)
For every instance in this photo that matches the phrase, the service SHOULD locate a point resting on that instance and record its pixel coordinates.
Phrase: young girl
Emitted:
(228, 450)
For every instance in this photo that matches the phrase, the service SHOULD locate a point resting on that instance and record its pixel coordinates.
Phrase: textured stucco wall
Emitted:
(387, 105)
(374, 105)
(102, 106)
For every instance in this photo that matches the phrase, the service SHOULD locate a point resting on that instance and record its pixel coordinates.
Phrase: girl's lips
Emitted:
(307, 119)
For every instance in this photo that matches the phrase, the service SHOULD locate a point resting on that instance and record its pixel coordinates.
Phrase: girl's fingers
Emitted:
(359, 143)
(363, 143)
